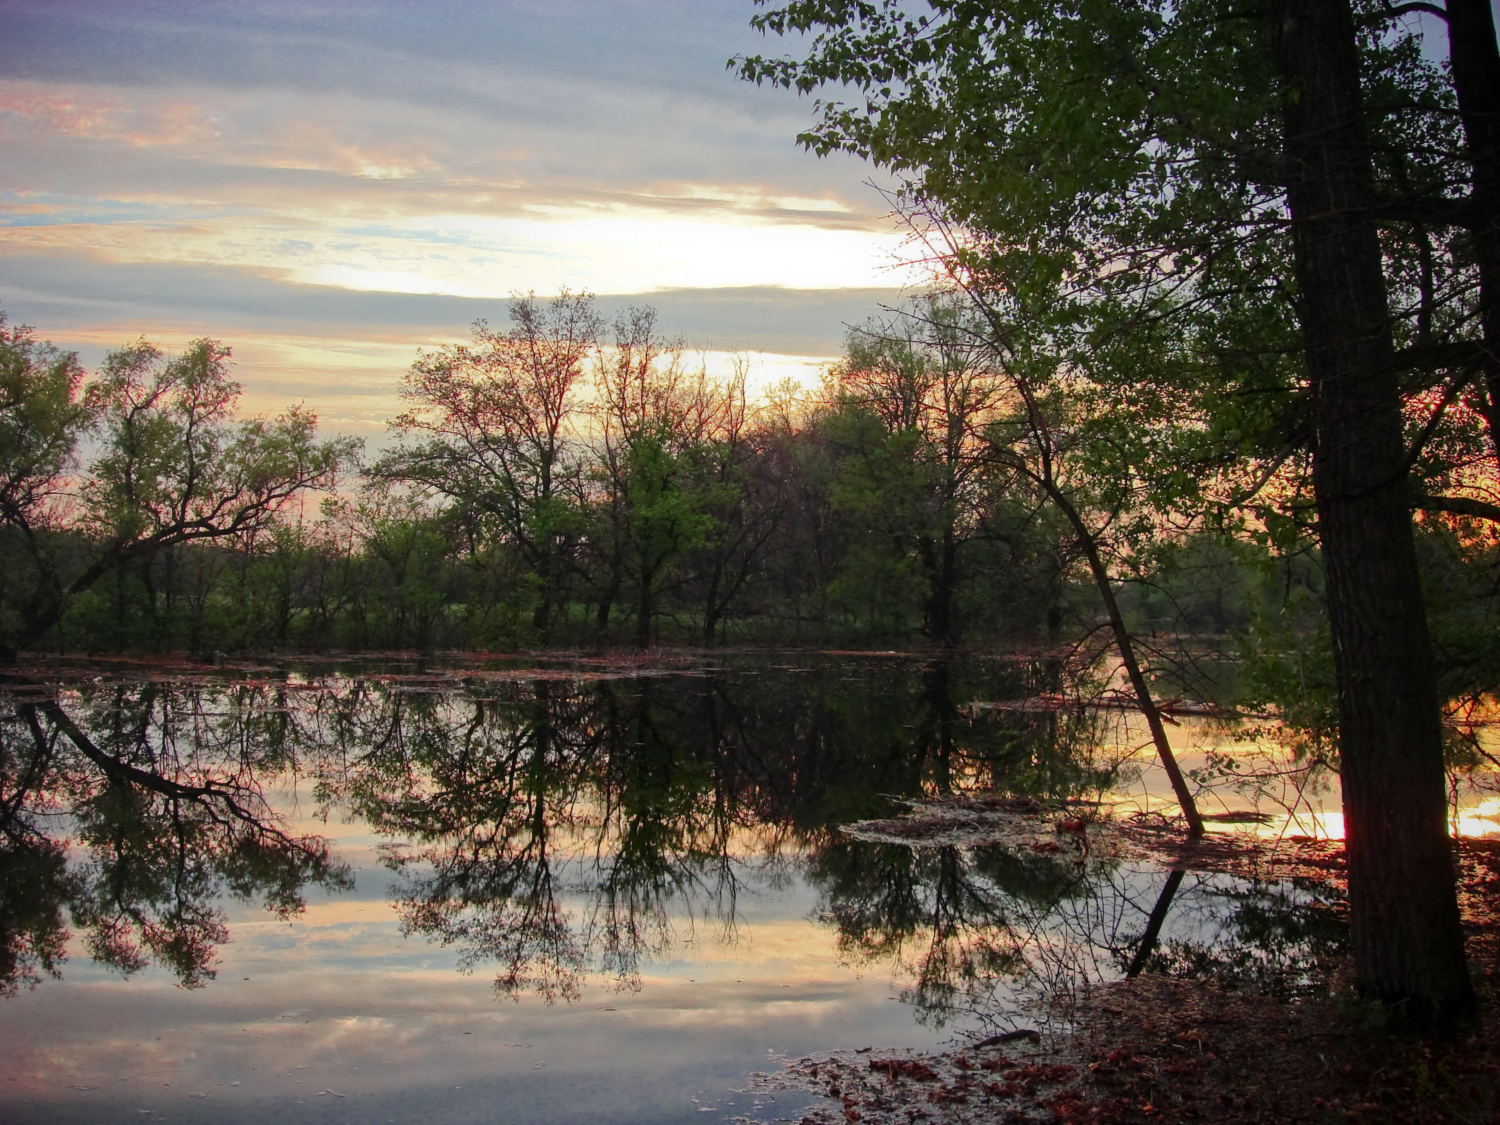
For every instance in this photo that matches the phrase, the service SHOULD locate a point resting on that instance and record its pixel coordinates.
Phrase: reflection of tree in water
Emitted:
(992, 932)
(650, 804)
(35, 883)
(547, 793)
(920, 909)
(161, 790)
(980, 930)
(553, 826)
(1267, 938)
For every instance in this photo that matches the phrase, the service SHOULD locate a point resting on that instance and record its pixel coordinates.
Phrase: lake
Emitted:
(573, 889)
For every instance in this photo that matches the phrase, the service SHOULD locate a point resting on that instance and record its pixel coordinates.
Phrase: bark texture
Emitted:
(1407, 943)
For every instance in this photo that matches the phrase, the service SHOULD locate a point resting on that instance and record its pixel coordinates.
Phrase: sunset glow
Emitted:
(284, 180)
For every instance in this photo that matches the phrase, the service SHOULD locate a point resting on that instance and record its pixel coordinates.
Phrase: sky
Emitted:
(327, 187)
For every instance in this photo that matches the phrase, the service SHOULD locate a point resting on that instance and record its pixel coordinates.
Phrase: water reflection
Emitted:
(986, 933)
(132, 815)
(573, 824)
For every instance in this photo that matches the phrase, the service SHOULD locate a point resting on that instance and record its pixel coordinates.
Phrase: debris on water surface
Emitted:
(1080, 831)
(904, 1068)
(1020, 823)
(968, 1087)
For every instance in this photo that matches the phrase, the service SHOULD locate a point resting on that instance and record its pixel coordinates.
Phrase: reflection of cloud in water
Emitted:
(409, 1040)
(340, 935)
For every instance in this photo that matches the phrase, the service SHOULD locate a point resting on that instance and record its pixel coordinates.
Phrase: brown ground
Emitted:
(1157, 1050)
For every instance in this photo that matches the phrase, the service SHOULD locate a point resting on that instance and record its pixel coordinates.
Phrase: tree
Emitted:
(743, 494)
(499, 419)
(1051, 438)
(41, 419)
(1390, 735)
(1475, 61)
(172, 468)
(805, 549)
(1217, 168)
(654, 418)
(924, 377)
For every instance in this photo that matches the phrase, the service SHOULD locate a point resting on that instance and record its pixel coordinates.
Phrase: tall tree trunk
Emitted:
(1475, 58)
(611, 592)
(941, 558)
(711, 605)
(948, 583)
(1407, 943)
(541, 613)
(643, 612)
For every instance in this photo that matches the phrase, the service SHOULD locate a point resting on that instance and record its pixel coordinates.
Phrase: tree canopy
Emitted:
(172, 467)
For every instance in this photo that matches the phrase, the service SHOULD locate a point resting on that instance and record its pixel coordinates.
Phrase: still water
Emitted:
(574, 891)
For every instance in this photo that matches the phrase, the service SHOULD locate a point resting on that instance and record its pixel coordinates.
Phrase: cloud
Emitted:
(381, 194)
(598, 91)
(343, 352)
(328, 187)
(65, 292)
(281, 150)
(445, 53)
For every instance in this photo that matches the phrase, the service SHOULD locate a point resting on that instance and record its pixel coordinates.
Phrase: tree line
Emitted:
(565, 481)
(558, 481)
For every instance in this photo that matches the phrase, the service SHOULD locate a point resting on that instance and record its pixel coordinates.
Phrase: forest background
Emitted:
(555, 481)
